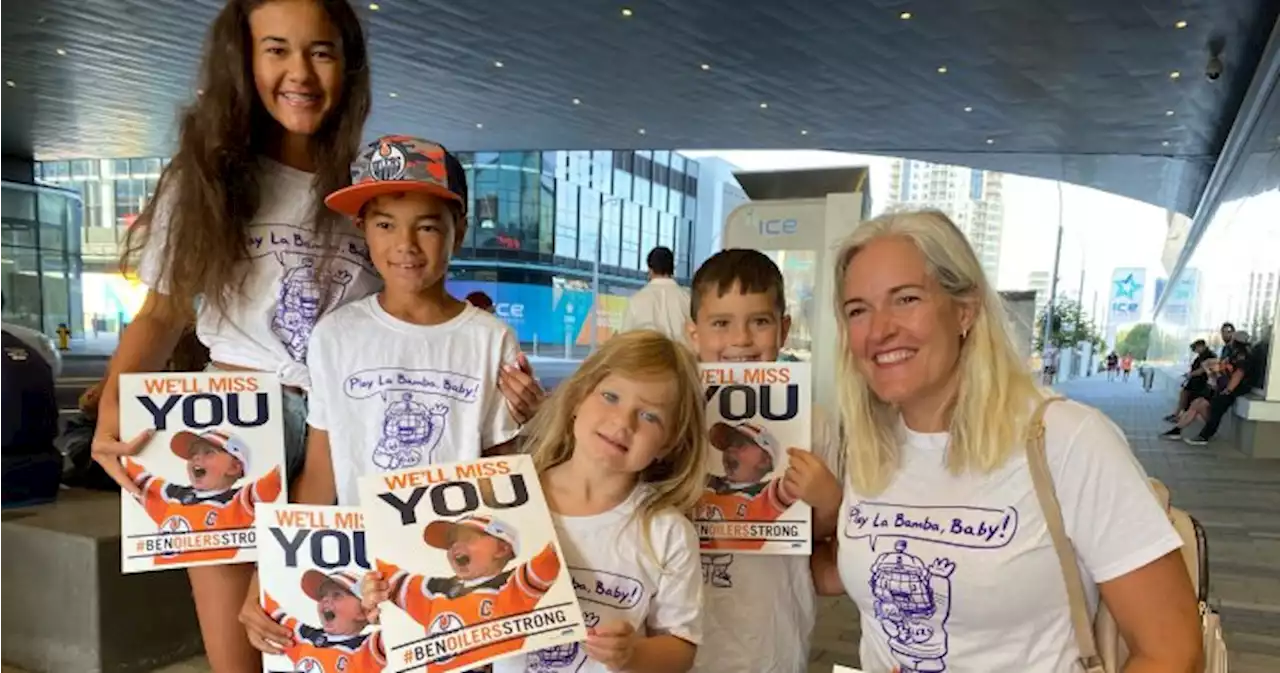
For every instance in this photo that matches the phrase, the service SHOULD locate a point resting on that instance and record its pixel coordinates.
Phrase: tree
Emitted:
(1068, 327)
(1136, 341)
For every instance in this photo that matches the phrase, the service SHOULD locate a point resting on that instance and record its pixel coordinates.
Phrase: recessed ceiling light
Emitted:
(394, 94)
(706, 66)
(1180, 25)
(991, 141)
(373, 7)
(1175, 75)
(577, 101)
(804, 132)
(1165, 143)
(62, 52)
(968, 108)
(1168, 113)
(764, 106)
(498, 64)
(942, 69)
(626, 11)
(640, 131)
(905, 16)
(479, 125)
(10, 83)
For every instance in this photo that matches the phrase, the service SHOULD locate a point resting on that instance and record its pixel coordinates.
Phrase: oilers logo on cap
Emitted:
(388, 162)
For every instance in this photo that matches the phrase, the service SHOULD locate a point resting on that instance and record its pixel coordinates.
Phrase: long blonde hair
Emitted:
(996, 392)
(677, 479)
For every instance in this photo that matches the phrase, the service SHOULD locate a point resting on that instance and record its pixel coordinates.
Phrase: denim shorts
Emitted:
(294, 404)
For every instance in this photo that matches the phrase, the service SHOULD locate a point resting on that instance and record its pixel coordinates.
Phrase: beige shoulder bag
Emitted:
(1102, 631)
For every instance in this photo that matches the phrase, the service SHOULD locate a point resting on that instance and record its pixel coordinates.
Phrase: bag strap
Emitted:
(1038, 464)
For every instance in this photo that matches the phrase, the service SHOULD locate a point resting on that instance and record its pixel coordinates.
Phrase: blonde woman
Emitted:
(941, 541)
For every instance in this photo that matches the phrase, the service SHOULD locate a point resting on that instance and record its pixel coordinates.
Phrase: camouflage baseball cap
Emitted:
(395, 164)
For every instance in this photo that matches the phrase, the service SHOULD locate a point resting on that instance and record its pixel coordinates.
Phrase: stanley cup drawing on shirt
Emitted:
(912, 604)
(410, 431)
(302, 301)
(559, 659)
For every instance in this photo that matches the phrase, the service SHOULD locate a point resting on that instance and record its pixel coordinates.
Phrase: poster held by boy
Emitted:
(467, 568)
(755, 413)
(310, 562)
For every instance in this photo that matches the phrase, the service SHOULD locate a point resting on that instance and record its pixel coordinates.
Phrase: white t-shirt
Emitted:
(660, 305)
(266, 326)
(616, 579)
(393, 395)
(960, 572)
(759, 610)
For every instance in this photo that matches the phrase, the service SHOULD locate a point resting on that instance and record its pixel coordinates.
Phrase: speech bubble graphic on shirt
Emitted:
(606, 588)
(952, 525)
(388, 380)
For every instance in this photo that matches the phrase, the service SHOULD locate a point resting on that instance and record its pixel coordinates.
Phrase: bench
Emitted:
(67, 608)
(1257, 426)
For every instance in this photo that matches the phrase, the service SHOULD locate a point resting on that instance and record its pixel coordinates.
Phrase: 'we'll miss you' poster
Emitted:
(473, 565)
(311, 560)
(755, 413)
(217, 453)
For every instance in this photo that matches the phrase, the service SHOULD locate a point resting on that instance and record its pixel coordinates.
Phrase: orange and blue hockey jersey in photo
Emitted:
(723, 500)
(442, 605)
(179, 509)
(314, 651)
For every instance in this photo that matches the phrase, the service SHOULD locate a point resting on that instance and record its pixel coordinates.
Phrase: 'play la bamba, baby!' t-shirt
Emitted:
(394, 395)
(293, 276)
(958, 573)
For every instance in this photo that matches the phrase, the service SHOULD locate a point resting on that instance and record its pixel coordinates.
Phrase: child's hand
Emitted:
(808, 479)
(521, 388)
(374, 590)
(612, 644)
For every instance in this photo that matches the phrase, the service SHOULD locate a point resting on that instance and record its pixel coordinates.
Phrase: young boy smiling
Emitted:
(738, 308)
(408, 376)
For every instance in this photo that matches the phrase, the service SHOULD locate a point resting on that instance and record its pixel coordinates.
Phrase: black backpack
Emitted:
(30, 422)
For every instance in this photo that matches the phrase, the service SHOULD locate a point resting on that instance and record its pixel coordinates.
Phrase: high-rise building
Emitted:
(972, 198)
(1038, 282)
(1260, 306)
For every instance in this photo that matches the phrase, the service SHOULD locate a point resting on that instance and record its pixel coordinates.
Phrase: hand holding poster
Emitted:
(468, 569)
(310, 562)
(217, 453)
(755, 413)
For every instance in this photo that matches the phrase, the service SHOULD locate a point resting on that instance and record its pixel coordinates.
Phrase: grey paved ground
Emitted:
(1236, 499)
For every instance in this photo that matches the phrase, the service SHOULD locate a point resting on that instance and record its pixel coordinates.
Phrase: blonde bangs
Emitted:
(996, 391)
(677, 480)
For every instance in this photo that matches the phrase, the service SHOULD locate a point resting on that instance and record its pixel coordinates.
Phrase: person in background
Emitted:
(1126, 366)
(1240, 372)
(1196, 382)
(660, 305)
(482, 301)
(1113, 364)
(937, 412)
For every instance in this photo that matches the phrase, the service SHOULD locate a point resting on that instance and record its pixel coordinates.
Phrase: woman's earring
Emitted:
(964, 334)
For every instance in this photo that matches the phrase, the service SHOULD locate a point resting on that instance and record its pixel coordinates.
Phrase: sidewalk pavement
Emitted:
(1236, 498)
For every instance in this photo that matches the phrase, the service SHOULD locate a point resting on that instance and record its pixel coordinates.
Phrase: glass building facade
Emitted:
(40, 228)
(537, 223)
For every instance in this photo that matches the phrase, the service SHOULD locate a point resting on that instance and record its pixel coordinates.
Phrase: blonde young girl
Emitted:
(620, 448)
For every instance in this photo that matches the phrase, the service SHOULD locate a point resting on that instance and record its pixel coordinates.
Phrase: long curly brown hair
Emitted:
(210, 188)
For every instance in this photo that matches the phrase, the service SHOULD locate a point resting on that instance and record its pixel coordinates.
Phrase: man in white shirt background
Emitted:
(660, 305)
